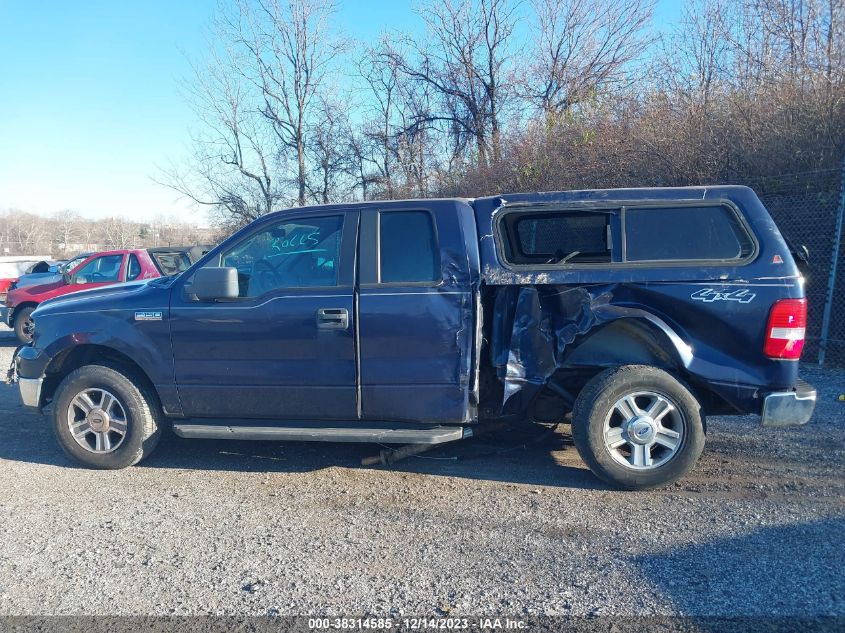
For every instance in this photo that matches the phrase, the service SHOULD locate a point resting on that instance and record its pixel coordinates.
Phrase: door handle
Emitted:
(332, 318)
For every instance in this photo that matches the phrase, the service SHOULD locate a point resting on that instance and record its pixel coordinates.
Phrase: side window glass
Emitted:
(171, 263)
(685, 233)
(408, 250)
(134, 268)
(559, 237)
(299, 253)
(99, 270)
(72, 264)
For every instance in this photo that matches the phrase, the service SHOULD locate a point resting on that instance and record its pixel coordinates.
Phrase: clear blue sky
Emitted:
(90, 104)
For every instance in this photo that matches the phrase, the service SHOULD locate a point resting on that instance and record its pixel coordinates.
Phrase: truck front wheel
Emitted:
(105, 417)
(637, 427)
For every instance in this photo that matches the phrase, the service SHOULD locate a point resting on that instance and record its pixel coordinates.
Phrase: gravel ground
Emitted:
(207, 527)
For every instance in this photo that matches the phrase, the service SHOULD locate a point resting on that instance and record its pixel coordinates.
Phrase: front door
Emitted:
(285, 349)
(100, 270)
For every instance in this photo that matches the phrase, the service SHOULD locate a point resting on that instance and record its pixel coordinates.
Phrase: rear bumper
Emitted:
(789, 408)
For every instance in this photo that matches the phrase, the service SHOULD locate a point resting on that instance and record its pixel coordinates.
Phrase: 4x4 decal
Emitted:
(709, 295)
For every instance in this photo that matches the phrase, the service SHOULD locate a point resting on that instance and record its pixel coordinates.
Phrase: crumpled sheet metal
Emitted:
(532, 331)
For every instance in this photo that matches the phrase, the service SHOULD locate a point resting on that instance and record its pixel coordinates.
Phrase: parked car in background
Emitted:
(92, 270)
(51, 274)
(44, 266)
(172, 260)
(98, 269)
(11, 268)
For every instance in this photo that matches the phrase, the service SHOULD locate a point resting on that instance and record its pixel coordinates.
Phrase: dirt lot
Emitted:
(270, 528)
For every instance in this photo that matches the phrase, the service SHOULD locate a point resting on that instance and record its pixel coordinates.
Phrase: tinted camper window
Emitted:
(558, 237)
(685, 233)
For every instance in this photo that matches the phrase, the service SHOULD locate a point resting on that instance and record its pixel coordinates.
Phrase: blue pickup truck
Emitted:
(637, 312)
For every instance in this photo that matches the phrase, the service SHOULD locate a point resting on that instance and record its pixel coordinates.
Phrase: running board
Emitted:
(432, 435)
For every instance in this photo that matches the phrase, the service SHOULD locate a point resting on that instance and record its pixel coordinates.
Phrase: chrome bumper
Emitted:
(789, 408)
(30, 389)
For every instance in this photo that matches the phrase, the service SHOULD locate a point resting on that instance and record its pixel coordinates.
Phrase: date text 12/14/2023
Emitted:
(415, 624)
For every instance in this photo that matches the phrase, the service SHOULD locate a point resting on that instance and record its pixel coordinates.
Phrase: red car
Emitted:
(99, 269)
(13, 267)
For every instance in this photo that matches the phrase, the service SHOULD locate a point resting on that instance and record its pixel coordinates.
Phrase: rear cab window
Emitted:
(171, 263)
(626, 235)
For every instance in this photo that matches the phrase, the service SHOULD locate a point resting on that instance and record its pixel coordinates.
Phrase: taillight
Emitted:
(786, 328)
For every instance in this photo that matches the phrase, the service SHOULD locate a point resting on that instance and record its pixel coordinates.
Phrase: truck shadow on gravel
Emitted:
(495, 457)
(770, 572)
(514, 457)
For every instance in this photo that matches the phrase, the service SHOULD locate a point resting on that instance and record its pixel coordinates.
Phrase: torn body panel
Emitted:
(542, 333)
(705, 321)
(542, 329)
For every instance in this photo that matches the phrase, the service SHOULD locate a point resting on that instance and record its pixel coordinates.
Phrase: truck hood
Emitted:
(141, 295)
(34, 292)
(38, 279)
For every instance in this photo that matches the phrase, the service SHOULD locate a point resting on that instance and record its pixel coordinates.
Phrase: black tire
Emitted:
(594, 406)
(143, 415)
(23, 319)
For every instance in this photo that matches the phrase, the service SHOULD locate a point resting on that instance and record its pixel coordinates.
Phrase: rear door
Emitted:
(415, 313)
(285, 349)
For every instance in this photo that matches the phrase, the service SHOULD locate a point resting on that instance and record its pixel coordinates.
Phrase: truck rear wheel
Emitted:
(104, 417)
(637, 427)
(24, 325)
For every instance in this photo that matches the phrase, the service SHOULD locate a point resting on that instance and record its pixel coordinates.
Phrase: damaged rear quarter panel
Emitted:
(706, 322)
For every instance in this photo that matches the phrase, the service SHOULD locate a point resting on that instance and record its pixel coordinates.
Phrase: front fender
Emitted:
(144, 342)
(116, 317)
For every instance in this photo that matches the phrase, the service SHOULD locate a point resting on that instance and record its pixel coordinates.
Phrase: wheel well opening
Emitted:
(620, 342)
(82, 355)
(25, 304)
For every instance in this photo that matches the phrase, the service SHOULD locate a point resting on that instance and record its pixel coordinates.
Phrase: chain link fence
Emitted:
(805, 207)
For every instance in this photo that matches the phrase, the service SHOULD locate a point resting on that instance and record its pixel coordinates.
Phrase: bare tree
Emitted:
(66, 230)
(373, 150)
(583, 47)
(170, 231)
(700, 51)
(119, 233)
(328, 152)
(291, 49)
(89, 231)
(391, 155)
(465, 60)
(742, 89)
(25, 234)
(234, 167)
